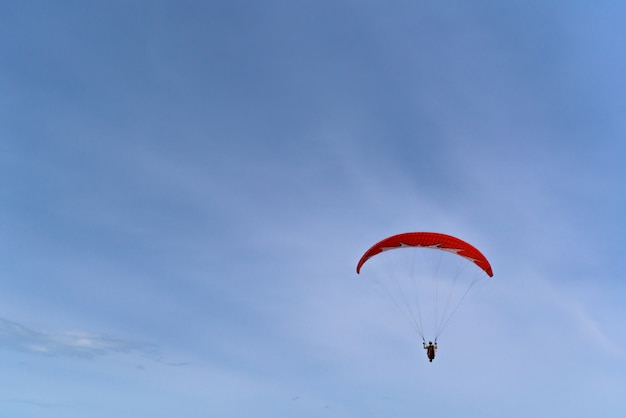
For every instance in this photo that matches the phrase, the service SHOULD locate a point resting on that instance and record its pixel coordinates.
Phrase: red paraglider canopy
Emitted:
(429, 240)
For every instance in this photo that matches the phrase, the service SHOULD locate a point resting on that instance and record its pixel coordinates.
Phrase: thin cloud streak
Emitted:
(17, 337)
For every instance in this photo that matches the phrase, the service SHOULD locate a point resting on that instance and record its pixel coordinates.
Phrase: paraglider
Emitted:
(430, 350)
(429, 284)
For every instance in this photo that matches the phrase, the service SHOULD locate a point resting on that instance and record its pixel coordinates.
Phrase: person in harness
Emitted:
(430, 350)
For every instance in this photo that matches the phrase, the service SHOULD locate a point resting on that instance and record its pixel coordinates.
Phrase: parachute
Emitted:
(427, 283)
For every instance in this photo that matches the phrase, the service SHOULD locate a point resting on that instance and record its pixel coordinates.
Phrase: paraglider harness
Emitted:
(430, 349)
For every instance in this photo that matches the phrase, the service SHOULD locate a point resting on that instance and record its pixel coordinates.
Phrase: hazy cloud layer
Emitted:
(18, 337)
(202, 178)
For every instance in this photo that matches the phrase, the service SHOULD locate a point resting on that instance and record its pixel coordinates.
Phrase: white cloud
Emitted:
(15, 336)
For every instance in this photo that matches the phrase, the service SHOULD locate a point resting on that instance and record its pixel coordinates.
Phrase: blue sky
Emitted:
(186, 188)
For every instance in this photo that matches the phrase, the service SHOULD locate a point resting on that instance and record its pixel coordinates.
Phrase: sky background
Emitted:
(186, 188)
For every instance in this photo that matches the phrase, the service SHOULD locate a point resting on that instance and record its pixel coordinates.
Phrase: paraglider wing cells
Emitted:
(428, 240)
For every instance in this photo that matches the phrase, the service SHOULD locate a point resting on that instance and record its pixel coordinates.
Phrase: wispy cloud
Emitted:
(36, 403)
(15, 336)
